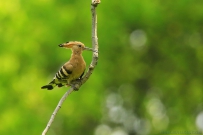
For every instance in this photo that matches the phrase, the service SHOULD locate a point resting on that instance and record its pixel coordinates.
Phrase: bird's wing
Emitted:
(82, 74)
(64, 72)
(61, 77)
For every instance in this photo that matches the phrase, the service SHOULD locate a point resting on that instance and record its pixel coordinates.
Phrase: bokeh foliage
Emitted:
(148, 78)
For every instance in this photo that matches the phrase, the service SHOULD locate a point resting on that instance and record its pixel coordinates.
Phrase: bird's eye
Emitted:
(79, 45)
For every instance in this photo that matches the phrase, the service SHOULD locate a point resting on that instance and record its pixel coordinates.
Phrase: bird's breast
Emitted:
(78, 67)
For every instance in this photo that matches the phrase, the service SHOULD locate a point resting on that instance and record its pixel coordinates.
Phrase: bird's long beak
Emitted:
(89, 49)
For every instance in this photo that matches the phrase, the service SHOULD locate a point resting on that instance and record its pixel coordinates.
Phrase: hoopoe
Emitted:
(71, 70)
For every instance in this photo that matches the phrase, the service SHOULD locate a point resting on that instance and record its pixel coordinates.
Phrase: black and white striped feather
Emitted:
(60, 79)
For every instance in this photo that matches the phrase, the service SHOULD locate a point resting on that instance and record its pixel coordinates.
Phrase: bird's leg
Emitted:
(75, 84)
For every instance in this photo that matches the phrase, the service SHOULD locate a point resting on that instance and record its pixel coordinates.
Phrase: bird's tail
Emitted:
(53, 83)
(49, 86)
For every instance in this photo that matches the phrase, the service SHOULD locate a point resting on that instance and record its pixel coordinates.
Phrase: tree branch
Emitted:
(95, 45)
(77, 84)
(57, 109)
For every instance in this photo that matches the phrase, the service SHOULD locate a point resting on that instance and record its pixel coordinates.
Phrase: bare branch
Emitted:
(57, 109)
(95, 45)
(77, 84)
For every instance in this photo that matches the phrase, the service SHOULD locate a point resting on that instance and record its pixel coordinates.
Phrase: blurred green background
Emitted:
(149, 77)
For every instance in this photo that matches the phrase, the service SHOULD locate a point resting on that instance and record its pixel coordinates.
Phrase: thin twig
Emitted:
(57, 109)
(77, 84)
(95, 45)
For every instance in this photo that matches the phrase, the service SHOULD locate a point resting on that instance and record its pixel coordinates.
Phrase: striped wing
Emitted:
(61, 77)
(63, 73)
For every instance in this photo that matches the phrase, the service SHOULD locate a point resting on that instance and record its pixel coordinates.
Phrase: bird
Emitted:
(71, 70)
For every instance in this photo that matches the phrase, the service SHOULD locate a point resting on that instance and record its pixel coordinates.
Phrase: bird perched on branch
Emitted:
(71, 70)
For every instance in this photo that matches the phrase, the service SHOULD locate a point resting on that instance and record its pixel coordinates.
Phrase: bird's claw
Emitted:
(76, 84)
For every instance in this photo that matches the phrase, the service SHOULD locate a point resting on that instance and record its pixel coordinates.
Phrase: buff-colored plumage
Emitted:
(71, 70)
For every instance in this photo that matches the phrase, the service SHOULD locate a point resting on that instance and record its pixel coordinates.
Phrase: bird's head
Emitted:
(76, 46)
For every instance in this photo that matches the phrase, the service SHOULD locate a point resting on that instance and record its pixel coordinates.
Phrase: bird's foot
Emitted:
(76, 84)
